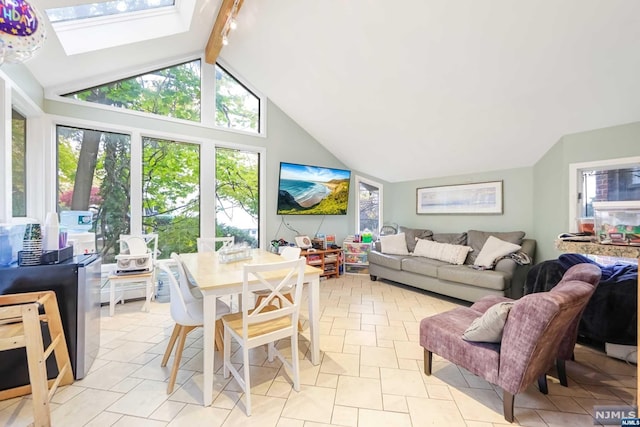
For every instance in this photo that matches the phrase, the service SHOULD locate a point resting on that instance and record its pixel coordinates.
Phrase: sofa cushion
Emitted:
(421, 265)
(453, 254)
(490, 279)
(394, 244)
(489, 326)
(413, 234)
(493, 249)
(386, 260)
(476, 239)
(451, 238)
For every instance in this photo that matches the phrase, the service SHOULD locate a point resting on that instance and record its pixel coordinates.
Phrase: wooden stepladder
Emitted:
(20, 326)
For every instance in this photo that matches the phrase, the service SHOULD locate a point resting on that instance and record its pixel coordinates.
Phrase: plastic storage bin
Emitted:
(11, 237)
(617, 223)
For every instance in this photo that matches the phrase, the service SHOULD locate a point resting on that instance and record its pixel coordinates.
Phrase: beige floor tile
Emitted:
(167, 411)
(408, 350)
(194, 415)
(346, 323)
(104, 419)
(341, 364)
(375, 319)
(563, 419)
(360, 338)
(368, 417)
(265, 412)
(391, 333)
(127, 421)
(83, 408)
(370, 372)
(478, 404)
(344, 416)
(376, 356)
(359, 392)
(394, 403)
(310, 404)
(290, 422)
(402, 383)
(143, 400)
(439, 392)
(108, 375)
(427, 412)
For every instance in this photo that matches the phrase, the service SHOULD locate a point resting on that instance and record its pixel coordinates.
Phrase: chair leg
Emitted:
(542, 384)
(172, 342)
(227, 353)
(295, 363)
(247, 379)
(507, 402)
(428, 359)
(562, 372)
(219, 337)
(184, 330)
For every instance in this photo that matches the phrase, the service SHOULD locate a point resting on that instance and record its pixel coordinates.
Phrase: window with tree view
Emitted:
(236, 106)
(94, 175)
(171, 194)
(171, 92)
(18, 163)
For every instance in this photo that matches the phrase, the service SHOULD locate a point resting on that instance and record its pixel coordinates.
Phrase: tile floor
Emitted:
(370, 375)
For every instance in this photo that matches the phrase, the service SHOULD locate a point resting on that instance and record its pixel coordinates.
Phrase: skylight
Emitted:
(95, 26)
(92, 10)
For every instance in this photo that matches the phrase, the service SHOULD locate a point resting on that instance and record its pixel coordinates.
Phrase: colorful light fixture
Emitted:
(22, 30)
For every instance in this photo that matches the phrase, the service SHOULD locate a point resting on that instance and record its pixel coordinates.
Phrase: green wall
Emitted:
(400, 203)
(551, 176)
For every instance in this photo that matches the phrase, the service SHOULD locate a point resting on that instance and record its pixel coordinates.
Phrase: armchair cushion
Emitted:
(488, 327)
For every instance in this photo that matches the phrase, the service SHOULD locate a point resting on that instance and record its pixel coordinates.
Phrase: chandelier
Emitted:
(22, 31)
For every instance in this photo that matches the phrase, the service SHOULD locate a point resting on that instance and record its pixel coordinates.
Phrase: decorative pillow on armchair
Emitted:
(489, 326)
(394, 244)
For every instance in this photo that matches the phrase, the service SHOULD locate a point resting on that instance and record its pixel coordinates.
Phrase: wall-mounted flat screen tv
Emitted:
(312, 190)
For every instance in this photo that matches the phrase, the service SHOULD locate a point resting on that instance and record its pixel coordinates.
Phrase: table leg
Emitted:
(314, 318)
(209, 334)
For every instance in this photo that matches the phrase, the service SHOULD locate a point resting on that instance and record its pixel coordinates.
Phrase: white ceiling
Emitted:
(419, 88)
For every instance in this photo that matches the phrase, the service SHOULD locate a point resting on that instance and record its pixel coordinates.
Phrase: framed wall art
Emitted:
(477, 198)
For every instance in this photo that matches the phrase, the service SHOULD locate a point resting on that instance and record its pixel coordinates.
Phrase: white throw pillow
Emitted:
(453, 254)
(489, 326)
(493, 249)
(394, 244)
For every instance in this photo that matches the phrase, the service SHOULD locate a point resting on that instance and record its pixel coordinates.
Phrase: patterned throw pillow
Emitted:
(453, 254)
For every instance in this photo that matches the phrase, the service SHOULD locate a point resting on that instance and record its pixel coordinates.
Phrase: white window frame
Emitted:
(358, 180)
(576, 184)
(207, 174)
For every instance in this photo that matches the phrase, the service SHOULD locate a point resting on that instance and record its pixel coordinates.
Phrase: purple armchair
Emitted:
(568, 342)
(534, 328)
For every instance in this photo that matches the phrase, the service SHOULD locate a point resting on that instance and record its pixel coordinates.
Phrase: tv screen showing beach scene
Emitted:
(312, 190)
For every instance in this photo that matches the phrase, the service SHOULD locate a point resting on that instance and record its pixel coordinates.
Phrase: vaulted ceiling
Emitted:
(413, 89)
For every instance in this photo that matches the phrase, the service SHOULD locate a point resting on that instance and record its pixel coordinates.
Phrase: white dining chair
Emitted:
(266, 323)
(208, 244)
(289, 253)
(187, 311)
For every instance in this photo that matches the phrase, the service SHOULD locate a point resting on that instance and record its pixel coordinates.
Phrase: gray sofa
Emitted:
(458, 281)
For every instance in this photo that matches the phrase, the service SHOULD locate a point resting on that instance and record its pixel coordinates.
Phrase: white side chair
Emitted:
(187, 311)
(288, 253)
(208, 244)
(266, 323)
(137, 244)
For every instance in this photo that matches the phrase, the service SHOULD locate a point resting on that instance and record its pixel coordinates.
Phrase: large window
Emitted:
(171, 92)
(369, 214)
(19, 163)
(236, 106)
(92, 10)
(94, 175)
(171, 194)
(237, 190)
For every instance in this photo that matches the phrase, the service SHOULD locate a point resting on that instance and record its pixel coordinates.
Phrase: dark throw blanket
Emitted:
(611, 314)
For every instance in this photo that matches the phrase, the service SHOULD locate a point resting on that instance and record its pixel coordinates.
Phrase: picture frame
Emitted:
(481, 198)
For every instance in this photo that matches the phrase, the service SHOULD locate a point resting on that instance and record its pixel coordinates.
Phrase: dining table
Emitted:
(215, 278)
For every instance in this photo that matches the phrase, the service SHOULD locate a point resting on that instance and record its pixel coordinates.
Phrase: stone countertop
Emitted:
(590, 248)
